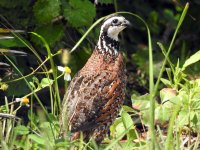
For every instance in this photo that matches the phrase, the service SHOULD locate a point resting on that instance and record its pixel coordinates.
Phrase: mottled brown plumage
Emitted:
(97, 91)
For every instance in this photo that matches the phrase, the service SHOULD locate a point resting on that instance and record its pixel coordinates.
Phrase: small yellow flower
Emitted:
(4, 87)
(23, 101)
(66, 71)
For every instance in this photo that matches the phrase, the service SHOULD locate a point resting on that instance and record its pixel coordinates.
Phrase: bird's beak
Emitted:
(126, 23)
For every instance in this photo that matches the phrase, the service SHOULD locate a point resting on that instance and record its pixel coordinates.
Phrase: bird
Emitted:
(96, 93)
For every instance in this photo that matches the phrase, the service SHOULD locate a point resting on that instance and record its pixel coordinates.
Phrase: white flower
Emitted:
(66, 71)
(23, 101)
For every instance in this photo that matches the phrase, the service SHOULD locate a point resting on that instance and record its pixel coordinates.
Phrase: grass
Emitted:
(179, 107)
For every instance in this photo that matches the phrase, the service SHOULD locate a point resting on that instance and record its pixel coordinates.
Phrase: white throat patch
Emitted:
(113, 31)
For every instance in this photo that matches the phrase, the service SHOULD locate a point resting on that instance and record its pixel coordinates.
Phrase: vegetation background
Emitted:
(35, 29)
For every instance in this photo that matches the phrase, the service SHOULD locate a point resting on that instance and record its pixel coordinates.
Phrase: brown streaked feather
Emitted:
(95, 95)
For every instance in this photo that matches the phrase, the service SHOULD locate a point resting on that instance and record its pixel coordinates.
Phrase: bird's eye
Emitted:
(115, 21)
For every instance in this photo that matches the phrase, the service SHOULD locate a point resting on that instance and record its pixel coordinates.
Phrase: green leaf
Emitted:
(166, 82)
(4, 145)
(34, 120)
(128, 124)
(51, 33)
(129, 109)
(18, 3)
(182, 119)
(167, 94)
(162, 114)
(194, 118)
(46, 82)
(140, 102)
(18, 85)
(62, 144)
(80, 12)
(105, 2)
(11, 43)
(114, 126)
(37, 139)
(120, 129)
(193, 59)
(32, 85)
(127, 120)
(48, 130)
(21, 130)
(46, 10)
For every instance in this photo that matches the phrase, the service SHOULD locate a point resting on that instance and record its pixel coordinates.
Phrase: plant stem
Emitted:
(57, 96)
(27, 84)
(170, 47)
(169, 141)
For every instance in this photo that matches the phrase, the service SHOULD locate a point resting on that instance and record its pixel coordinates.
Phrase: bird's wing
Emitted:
(89, 98)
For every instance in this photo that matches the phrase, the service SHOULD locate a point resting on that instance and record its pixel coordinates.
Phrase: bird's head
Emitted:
(108, 39)
(113, 25)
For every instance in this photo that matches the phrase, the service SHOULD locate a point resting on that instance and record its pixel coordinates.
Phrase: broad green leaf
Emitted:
(193, 117)
(105, 1)
(140, 102)
(32, 85)
(11, 43)
(128, 124)
(18, 3)
(46, 10)
(80, 12)
(4, 145)
(46, 82)
(113, 127)
(34, 120)
(193, 59)
(48, 130)
(36, 139)
(162, 114)
(167, 94)
(166, 82)
(21, 130)
(127, 120)
(18, 85)
(129, 109)
(62, 144)
(120, 129)
(144, 97)
(182, 119)
(51, 33)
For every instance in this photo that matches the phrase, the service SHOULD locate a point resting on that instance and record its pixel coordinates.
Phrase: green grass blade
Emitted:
(169, 141)
(151, 81)
(52, 66)
(170, 47)
(193, 59)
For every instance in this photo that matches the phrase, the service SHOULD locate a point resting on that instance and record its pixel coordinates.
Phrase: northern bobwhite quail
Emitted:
(96, 93)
